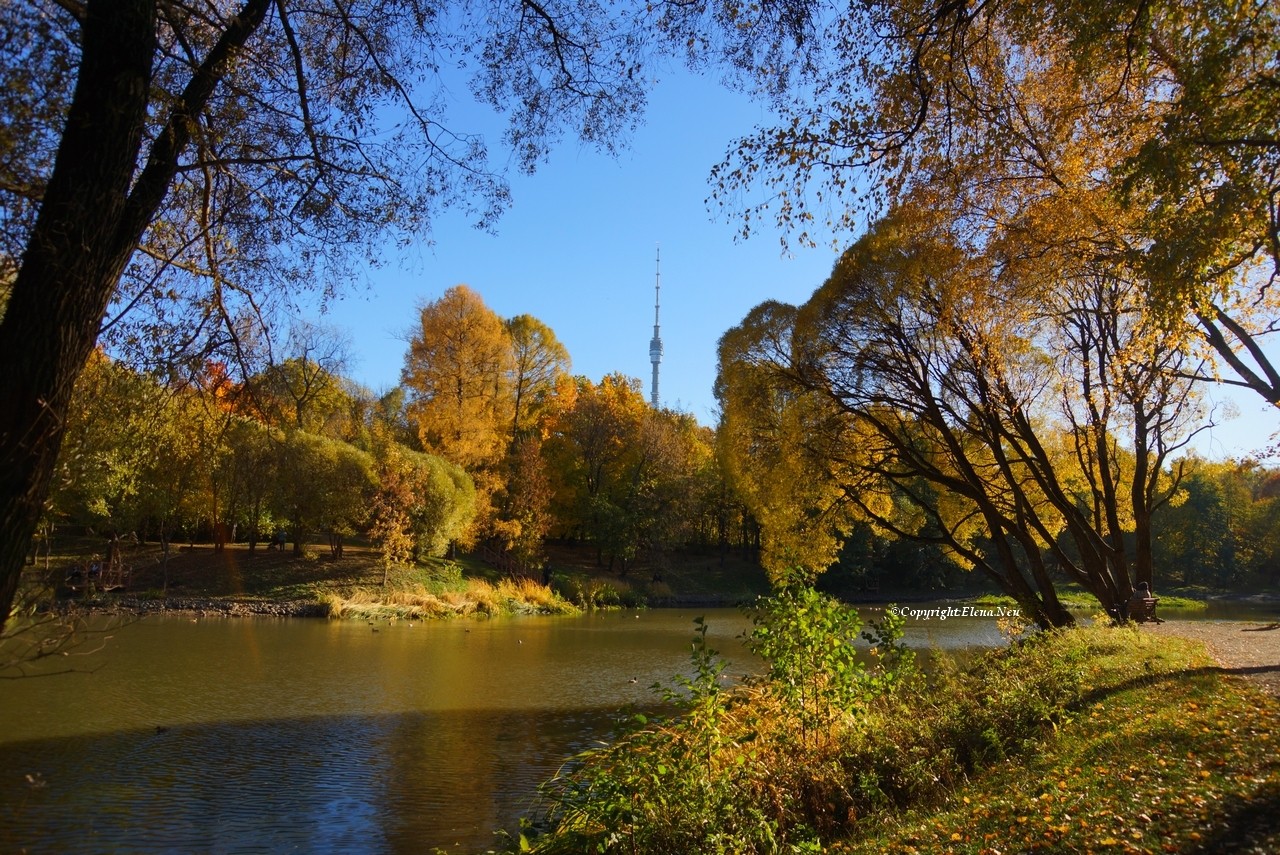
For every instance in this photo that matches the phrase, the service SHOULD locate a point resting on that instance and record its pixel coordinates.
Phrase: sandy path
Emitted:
(1252, 648)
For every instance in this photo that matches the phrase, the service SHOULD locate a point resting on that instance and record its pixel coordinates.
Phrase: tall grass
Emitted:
(591, 594)
(420, 601)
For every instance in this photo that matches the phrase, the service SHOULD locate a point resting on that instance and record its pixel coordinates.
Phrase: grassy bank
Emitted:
(439, 600)
(270, 582)
(1094, 739)
(1160, 752)
(348, 587)
(1077, 599)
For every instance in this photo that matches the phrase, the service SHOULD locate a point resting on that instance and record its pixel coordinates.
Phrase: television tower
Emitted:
(655, 344)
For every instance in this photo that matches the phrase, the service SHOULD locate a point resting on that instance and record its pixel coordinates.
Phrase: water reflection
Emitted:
(273, 735)
(389, 783)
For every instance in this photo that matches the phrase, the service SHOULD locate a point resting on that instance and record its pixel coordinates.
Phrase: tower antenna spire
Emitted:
(655, 344)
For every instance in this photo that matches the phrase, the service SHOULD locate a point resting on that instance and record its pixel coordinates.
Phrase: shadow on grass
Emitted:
(1251, 825)
(1145, 680)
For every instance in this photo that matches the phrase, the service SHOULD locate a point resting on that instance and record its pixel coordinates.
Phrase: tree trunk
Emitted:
(71, 265)
(95, 209)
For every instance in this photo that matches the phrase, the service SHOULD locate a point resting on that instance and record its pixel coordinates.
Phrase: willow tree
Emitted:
(933, 390)
(782, 447)
(421, 504)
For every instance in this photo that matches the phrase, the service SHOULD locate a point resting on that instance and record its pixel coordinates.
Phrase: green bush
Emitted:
(589, 594)
(447, 574)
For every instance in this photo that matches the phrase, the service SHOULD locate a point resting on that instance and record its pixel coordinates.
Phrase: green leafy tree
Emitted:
(421, 504)
(306, 391)
(118, 421)
(321, 485)
(1195, 539)
(250, 456)
(1253, 491)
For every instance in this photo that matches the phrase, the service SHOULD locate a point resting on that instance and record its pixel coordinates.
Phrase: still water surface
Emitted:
(273, 735)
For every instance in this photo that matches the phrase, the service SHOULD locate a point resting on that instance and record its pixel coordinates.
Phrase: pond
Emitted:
(277, 735)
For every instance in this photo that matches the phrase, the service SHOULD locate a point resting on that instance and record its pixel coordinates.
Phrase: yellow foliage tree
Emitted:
(458, 372)
(782, 447)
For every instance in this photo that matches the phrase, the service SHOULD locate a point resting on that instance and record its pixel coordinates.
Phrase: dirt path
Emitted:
(1252, 648)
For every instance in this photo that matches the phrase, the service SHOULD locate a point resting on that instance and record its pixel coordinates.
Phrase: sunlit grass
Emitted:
(445, 599)
(1080, 600)
(1163, 754)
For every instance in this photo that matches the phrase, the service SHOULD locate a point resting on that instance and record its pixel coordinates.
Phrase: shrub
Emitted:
(588, 593)
(752, 770)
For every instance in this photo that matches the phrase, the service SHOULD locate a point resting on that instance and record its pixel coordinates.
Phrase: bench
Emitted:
(1144, 611)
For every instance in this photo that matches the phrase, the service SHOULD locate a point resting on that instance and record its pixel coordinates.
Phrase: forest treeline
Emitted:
(491, 439)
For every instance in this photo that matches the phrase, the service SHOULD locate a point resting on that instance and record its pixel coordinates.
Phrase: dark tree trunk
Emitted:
(95, 209)
(70, 268)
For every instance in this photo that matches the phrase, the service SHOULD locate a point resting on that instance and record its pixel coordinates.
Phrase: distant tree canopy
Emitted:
(633, 480)
(458, 373)
(549, 453)
(159, 462)
(169, 461)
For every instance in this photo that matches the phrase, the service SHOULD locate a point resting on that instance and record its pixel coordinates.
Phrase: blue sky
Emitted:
(576, 249)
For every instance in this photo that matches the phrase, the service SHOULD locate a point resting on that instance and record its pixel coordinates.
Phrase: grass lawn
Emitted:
(1165, 753)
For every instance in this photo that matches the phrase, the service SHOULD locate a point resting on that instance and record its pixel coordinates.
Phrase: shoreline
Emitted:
(232, 606)
(219, 606)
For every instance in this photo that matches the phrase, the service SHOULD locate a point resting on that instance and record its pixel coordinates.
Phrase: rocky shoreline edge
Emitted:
(210, 606)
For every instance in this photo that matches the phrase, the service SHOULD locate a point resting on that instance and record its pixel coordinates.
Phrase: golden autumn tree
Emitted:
(769, 437)
(458, 373)
(948, 396)
(588, 437)
(1146, 132)
(538, 361)
(420, 503)
(629, 478)
(194, 164)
